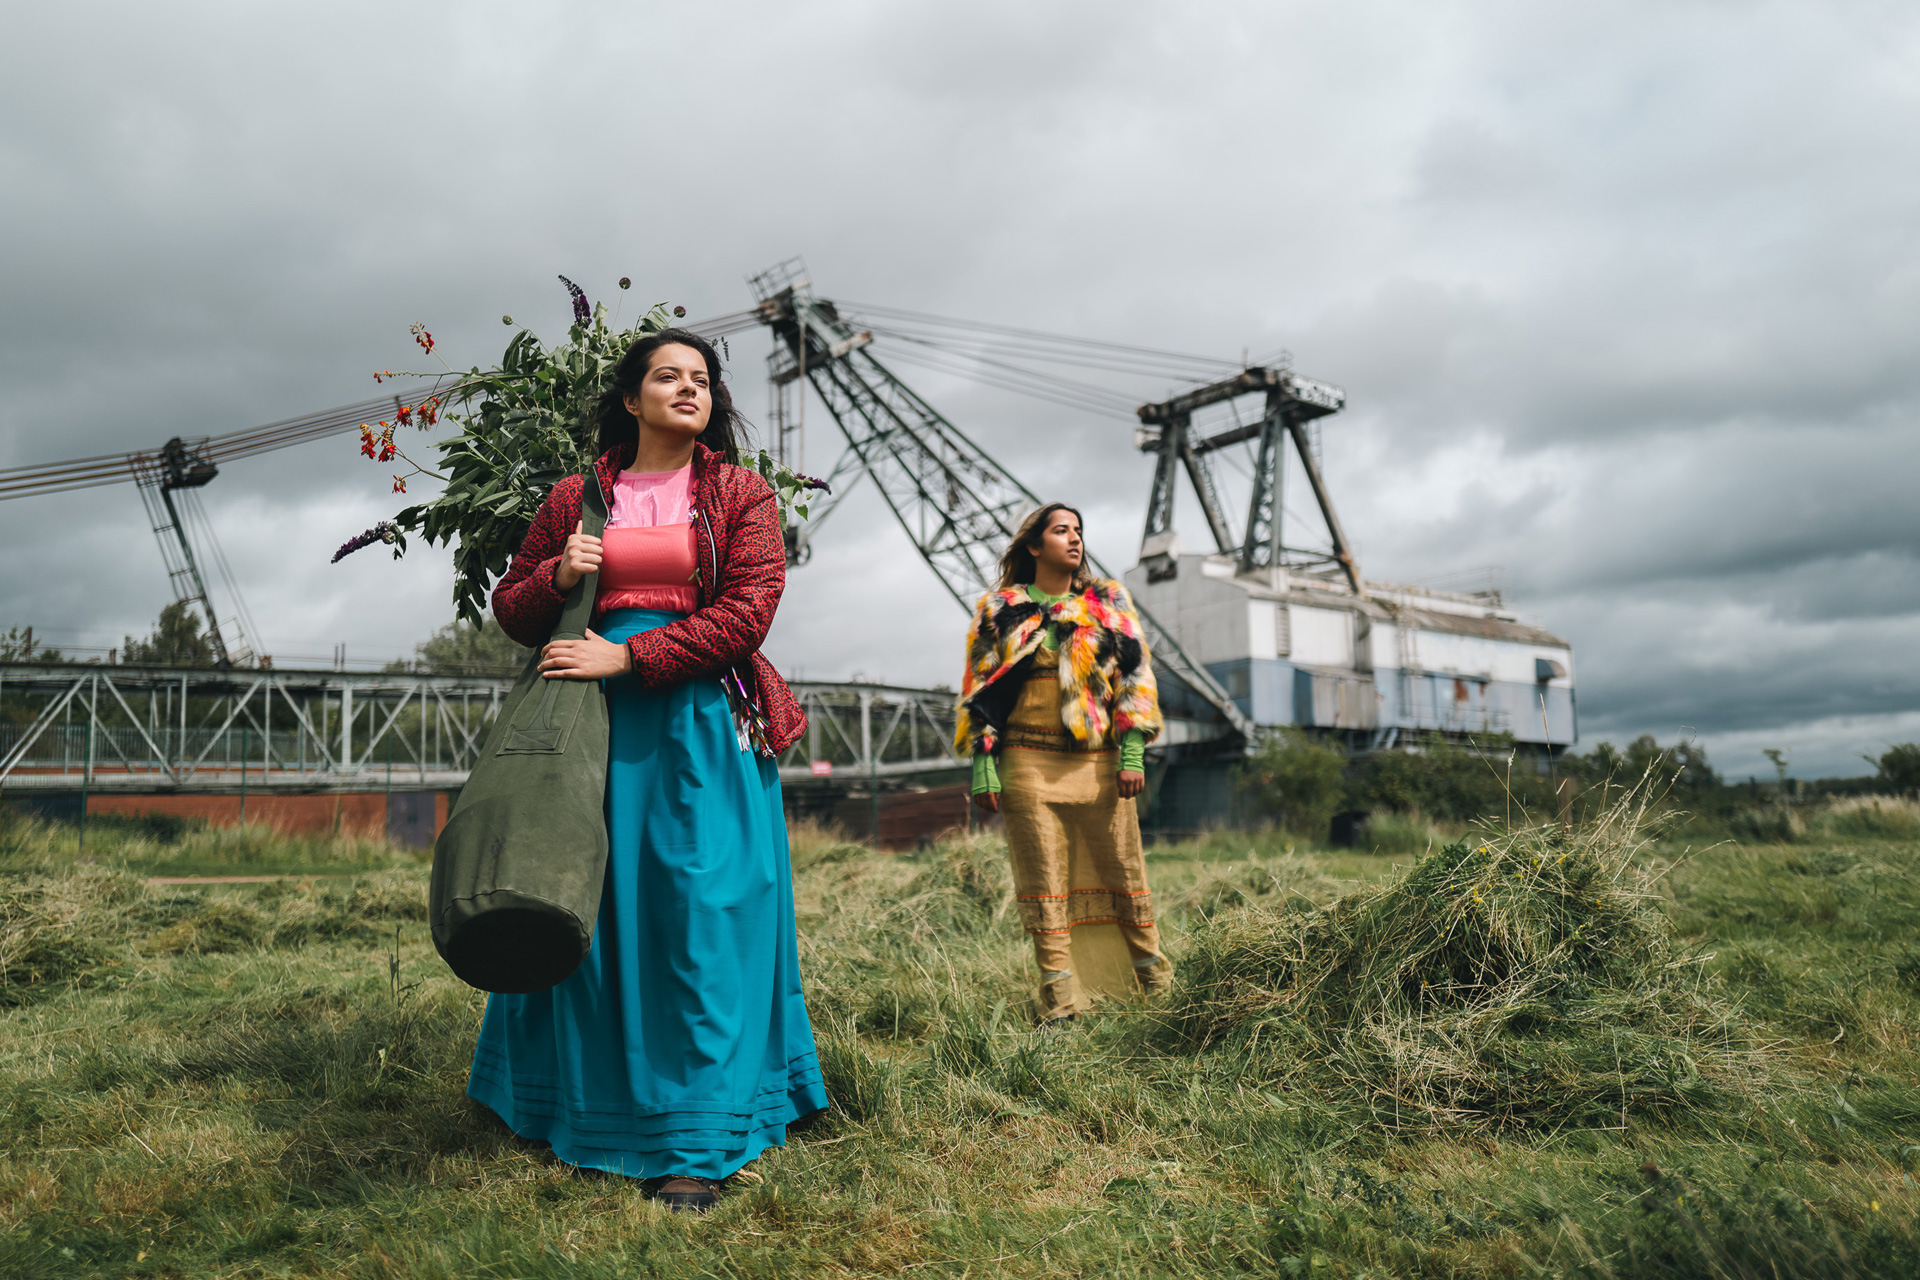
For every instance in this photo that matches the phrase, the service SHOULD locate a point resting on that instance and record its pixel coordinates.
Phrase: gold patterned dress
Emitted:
(1079, 872)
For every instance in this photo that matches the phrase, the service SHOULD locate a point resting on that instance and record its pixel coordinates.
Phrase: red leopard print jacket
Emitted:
(736, 524)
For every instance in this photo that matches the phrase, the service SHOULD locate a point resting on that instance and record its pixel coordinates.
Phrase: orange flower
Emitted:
(399, 485)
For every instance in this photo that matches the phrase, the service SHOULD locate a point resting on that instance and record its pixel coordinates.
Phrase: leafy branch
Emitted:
(524, 425)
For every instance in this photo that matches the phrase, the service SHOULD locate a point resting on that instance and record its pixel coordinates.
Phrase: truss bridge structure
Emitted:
(154, 730)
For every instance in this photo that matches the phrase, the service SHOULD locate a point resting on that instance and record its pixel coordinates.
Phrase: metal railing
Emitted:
(872, 731)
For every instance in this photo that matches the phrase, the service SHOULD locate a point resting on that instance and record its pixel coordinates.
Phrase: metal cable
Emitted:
(1041, 391)
(1210, 363)
(1009, 357)
(203, 536)
(986, 349)
(1092, 396)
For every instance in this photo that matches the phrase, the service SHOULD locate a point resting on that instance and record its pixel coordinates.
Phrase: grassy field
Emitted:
(1528, 1055)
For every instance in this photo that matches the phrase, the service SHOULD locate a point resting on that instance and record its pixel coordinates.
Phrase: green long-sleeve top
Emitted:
(1133, 743)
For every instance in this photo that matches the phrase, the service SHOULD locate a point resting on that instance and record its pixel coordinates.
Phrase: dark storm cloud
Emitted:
(1624, 298)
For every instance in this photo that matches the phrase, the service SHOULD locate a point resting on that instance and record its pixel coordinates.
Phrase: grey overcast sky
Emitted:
(1623, 295)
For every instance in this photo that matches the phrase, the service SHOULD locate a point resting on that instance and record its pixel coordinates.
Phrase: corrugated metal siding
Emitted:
(1261, 687)
(1334, 700)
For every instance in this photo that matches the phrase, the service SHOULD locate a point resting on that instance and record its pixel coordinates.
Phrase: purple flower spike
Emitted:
(385, 531)
(581, 311)
(812, 483)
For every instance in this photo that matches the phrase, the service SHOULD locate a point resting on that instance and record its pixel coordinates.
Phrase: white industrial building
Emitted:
(1294, 648)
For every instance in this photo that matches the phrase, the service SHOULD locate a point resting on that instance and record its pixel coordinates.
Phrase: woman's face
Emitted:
(675, 396)
(1059, 548)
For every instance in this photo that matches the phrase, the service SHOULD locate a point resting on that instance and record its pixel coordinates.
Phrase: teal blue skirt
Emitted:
(681, 1045)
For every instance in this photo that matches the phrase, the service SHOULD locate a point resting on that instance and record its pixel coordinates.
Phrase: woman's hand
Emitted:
(1132, 783)
(580, 557)
(589, 659)
(988, 800)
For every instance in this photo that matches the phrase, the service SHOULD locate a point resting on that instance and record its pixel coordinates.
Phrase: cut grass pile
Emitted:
(1515, 980)
(268, 1080)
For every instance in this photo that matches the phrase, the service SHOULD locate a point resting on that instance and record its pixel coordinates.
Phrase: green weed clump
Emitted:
(1846, 818)
(1403, 833)
(1519, 980)
(1767, 826)
(1871, 818)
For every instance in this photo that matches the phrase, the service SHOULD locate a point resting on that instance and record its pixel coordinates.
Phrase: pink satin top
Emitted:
(647, 550)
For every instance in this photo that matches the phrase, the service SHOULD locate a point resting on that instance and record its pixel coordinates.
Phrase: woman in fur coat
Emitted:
(1057, 705)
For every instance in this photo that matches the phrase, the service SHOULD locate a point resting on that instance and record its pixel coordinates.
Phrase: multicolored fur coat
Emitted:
(1106, 673)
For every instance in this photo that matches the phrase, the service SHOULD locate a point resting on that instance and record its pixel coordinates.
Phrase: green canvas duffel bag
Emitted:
(518, 869)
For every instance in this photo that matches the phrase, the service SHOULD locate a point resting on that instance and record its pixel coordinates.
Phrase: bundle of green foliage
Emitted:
(525, 423)
(1522, 979)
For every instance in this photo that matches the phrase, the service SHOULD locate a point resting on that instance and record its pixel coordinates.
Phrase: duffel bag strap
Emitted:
(578, 611)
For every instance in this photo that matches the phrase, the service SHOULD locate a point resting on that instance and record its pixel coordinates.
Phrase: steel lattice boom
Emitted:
(954, 500)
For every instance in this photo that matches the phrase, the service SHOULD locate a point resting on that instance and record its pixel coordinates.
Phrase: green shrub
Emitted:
(1297, 780)
(1899, 766)
(1438, 778)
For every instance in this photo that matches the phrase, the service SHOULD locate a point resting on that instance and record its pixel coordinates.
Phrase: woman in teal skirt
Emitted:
(681, 1048)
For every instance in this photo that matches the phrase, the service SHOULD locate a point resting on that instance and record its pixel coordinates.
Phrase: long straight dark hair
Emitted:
(1017, 566)
(724, 425)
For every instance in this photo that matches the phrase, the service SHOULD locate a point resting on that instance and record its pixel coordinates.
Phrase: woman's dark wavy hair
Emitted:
(725, 426)
(1017, 566)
